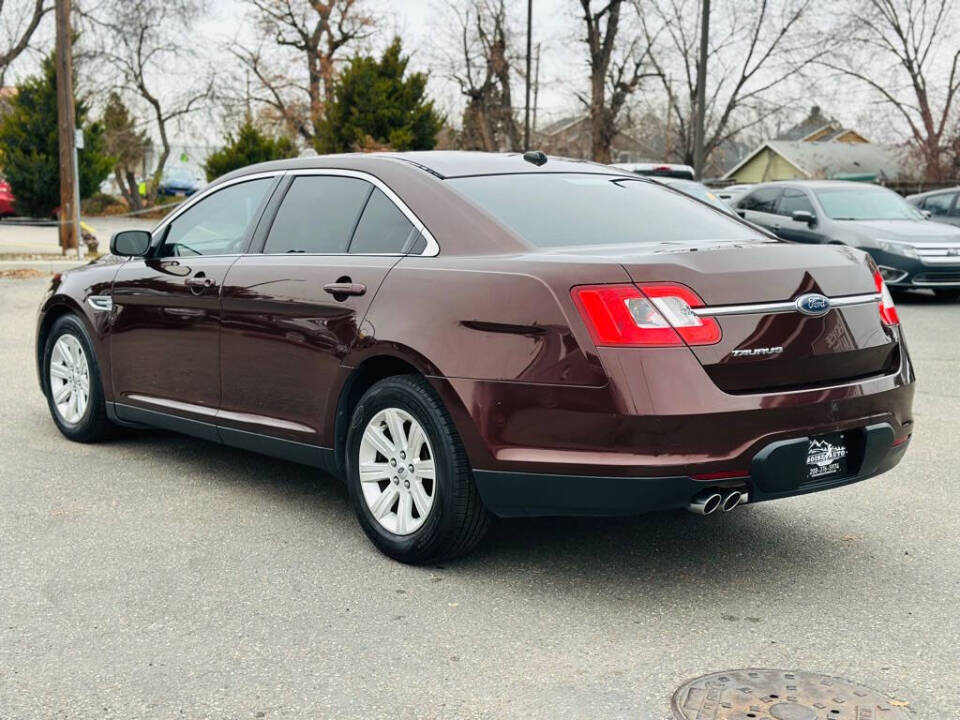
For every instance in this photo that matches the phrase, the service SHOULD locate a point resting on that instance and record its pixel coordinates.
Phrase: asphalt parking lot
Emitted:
(157, 576)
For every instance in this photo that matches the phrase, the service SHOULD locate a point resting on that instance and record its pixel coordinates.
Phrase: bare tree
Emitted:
(141, 41)
(482, 65)
(318, 33)
(615, 72)
(18, 28)
(753, 47)
(905, 52)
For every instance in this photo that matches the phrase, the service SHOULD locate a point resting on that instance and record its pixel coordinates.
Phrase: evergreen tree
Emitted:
(29, 147)
(248, 146)
(377, 106)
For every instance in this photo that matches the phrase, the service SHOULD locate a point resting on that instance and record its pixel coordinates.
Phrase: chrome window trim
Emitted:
(431, 250)
(782, 307)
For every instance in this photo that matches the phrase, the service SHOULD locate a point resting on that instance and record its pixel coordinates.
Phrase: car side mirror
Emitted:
(130, 243)
(804, 216)
(926, 214)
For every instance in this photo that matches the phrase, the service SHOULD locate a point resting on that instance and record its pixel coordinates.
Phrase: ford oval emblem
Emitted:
(813, 304)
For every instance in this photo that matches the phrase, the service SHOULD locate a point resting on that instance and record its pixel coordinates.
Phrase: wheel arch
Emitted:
(53, 310)
(377, 366)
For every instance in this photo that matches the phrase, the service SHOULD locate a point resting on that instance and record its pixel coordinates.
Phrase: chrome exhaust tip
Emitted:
(731, 500)
(705, 503)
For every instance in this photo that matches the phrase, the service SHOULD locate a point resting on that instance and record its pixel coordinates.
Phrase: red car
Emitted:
(463, 335)
(7, 199)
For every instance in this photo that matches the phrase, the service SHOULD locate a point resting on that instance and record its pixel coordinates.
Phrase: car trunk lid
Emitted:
(767, 343)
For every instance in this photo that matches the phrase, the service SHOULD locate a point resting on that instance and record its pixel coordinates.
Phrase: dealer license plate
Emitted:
(826, 457)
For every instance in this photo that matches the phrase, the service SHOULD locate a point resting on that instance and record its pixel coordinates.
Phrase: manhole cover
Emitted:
(779, 695)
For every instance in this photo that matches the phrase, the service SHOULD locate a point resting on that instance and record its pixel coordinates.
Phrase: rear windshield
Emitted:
(866, 204)
(580, 209)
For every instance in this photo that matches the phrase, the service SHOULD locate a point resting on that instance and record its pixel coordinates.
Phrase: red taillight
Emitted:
(655, 315)
(888, 311)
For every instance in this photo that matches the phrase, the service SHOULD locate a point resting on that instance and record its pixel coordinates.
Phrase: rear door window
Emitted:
(793, 200)
(761, 200)
(318, 215)
(939, 205)
(383, 228)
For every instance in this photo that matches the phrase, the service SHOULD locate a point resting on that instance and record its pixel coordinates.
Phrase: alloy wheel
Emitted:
(397, 471)
(69, 379)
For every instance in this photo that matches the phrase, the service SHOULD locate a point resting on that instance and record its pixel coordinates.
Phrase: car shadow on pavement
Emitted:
(670, 549)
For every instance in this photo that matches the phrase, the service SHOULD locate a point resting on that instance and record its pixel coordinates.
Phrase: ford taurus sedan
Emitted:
(461, 336)
(911, 251)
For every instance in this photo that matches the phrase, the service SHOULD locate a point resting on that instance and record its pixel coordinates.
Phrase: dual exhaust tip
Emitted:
(710, 501)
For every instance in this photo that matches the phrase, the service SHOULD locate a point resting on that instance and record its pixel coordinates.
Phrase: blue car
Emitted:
(178, 181)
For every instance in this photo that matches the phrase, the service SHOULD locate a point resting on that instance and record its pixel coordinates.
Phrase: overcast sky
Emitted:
(423, 29)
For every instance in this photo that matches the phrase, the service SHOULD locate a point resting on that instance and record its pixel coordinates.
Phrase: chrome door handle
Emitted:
(199, 282)
(345, 288)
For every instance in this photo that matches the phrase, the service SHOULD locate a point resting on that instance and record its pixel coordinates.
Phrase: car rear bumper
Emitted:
(777, 471)
(638, 443)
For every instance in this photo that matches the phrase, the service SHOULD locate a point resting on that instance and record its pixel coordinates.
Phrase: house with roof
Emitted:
(819, 147)
(571, 137)
(831, 159)
(817, 127)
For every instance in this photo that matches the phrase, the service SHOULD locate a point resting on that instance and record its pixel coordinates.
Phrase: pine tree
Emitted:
(29, 148)
(378, 106)
(248, 146)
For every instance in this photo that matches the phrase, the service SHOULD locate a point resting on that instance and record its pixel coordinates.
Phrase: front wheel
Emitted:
(408, 474)
(72, 380)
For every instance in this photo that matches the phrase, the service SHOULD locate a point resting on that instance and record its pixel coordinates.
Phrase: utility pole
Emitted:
(66, 131)
(701, 91)
(536, 88)
(526, 109)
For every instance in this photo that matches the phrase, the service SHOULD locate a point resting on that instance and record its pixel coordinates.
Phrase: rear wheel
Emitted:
(408, 474)
(72, 378)
(947, 293)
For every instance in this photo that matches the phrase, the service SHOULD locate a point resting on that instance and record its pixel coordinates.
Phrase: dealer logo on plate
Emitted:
(825, 456)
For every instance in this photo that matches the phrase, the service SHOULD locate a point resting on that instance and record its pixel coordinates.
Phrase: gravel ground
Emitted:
(157, 576)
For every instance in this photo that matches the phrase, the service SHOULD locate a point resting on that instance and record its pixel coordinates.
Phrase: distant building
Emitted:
(817, 127)
(570, 137)
(832, 159)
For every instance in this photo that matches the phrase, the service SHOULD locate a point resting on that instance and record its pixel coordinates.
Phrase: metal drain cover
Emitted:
(779, 695)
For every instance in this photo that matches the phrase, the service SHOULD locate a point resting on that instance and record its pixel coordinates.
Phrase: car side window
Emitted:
(793, 200)
(318, 215)
(940, 204)
(383, 228)
(761, 200)
(218, 224)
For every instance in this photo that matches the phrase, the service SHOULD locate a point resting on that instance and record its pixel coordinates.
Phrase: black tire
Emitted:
(457, 519)
(93, 425)
(947, 293)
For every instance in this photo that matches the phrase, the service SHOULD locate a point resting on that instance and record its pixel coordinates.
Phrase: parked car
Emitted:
(179, 181)
(697, 190)
(7, 200)
(911, 251)
(462, 335)
(673, 170)
(732, 193)
(940, 205)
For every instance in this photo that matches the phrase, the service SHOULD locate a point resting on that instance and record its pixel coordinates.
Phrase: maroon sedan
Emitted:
(464, 335)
